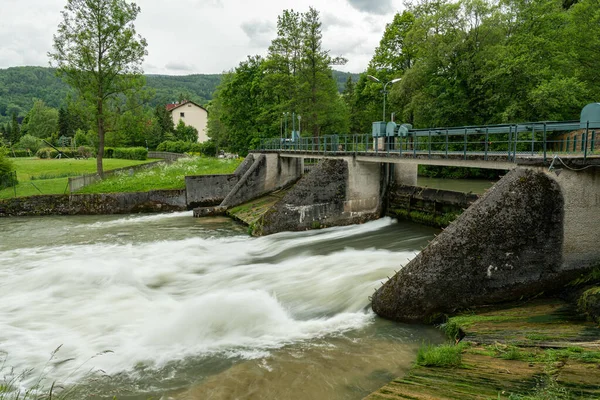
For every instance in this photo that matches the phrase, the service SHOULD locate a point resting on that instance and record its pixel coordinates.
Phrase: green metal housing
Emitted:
(379, 129)
(590, 114)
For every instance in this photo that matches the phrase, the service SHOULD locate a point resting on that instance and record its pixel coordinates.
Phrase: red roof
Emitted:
(172, 106)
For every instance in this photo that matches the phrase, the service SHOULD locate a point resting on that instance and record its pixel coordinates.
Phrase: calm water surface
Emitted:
(477, 186)
(195, 309)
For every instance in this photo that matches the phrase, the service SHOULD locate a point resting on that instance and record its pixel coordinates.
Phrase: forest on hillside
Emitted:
(21, 86)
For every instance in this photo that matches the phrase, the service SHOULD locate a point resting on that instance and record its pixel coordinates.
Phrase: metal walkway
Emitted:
(531, 142)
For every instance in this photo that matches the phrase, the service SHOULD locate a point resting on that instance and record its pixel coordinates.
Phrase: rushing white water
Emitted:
(132, 286)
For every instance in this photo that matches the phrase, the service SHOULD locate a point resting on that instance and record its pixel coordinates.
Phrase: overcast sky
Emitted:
(204, 36)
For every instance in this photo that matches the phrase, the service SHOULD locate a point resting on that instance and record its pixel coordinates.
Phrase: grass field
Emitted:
(165, 176)
(38, 176)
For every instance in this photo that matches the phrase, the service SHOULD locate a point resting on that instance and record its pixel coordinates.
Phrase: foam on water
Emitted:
(152, 303)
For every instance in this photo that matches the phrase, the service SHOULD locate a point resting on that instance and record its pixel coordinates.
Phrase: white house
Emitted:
(191, 114)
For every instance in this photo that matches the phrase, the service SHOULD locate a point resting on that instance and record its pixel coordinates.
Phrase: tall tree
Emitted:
(97, 51)
(15, 130)
(321, 105)
(41, 121)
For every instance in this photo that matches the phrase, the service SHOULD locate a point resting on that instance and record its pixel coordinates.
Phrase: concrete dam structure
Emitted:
(536, 228)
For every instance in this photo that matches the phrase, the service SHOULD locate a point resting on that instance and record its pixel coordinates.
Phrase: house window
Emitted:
(182, 115)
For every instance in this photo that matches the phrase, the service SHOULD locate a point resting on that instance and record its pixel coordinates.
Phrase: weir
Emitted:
(535, 228)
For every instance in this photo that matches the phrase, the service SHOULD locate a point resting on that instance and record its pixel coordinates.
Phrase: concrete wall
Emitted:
(210, 190)
(434, 207)
(364, 187)
(317, 200)
(92, 204)
(194, 116)
(268, 173)
(581, 192)
(336, 192)
(405, 174)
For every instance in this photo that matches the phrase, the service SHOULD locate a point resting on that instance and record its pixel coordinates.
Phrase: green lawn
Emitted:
(51, 176)
(165, 176)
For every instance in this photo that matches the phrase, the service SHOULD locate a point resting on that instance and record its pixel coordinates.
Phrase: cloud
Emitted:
(379, 7)
(330, 20)
(180, 67)
(260, 33)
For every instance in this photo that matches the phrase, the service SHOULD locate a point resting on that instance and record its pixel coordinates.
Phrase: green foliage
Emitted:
(97, 51)
(7, 176)
(263, 97)
(130, 153)
(6, 165)
(186, 133)
(41, 121)
(20, 153)
(443, 356)
(592, 277)
(61, 168)
(165, 176)
(482, 62)
(29, 142)
(50, 153)
(589, 304)
(452, 330)
(206, 148)
(83, 139)
(172, 146)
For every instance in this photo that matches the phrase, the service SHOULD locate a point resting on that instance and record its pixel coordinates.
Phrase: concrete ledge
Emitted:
(209, 211)
(95, 204)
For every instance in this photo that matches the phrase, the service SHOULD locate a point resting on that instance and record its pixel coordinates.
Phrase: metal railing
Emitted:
(508, 141)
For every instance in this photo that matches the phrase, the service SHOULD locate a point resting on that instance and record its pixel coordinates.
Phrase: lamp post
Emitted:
(285, 115)
(371, 77)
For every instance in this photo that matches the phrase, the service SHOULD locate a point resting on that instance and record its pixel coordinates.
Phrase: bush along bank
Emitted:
(543, 348)
(124, 153)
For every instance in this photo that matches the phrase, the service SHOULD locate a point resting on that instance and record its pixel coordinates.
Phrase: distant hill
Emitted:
(20, 86)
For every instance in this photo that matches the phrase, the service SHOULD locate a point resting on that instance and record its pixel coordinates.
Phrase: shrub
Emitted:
(108, 152)
(49, 152)
(130, 153)
(446, 356)
(589, 304)
(178, 146)
(29, 142)
(7, 177)
(20, 153)
(44, 152)
(83, 139)
(208, 148)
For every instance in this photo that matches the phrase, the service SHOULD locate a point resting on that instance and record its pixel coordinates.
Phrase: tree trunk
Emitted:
(100, 156)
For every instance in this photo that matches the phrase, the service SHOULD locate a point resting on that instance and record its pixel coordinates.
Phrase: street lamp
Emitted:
(371, 77)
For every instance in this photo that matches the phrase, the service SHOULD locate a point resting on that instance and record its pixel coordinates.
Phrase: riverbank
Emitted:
(539, 349)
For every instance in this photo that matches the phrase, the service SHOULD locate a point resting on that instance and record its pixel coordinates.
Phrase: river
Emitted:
(477, 186)
(172, 307)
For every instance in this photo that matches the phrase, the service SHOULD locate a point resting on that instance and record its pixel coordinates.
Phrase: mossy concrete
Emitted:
(538, 348)
(508, 244)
